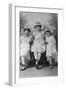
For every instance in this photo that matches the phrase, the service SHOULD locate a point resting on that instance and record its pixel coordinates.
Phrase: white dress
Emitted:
(25, 46)
(51, 46)
(38, 43)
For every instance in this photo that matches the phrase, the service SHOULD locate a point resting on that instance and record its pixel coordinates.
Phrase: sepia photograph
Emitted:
(38, 44)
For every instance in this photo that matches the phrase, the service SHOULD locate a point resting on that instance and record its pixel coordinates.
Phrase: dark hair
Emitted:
(37, 25)
(27, 29)
(49, 32)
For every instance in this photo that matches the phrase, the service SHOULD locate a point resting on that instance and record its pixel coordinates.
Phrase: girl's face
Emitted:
(47, 34)
(26, 32)
(38, 28)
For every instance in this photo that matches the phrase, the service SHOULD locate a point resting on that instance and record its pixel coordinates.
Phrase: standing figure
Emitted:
(38, 46)
(25, 48)
(51, 52)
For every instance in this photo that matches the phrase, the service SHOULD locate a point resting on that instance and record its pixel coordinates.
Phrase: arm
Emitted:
(31, 40)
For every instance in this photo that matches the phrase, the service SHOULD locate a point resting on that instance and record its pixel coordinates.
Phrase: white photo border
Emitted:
(15, 47)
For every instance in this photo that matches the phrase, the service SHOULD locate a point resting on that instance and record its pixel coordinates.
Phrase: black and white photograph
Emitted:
(38, 44)
(33, 45)
(35, 42)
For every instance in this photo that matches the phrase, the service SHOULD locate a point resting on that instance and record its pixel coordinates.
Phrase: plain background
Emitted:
(4, 43)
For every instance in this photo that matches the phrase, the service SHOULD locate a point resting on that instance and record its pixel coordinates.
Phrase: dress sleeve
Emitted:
(34, 33)
(53, 40)
(21, 40)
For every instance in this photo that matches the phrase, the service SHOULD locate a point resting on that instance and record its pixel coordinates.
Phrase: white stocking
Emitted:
(23, 60)
(37, 56)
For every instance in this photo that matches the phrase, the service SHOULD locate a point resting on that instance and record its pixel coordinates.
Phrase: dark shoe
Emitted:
(23, 67)
(51, 67)
(36, 66)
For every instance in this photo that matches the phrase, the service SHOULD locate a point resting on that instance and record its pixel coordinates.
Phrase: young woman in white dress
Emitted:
(25, 40)
(38, 46)
(51, 52)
